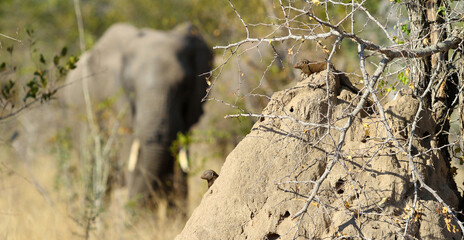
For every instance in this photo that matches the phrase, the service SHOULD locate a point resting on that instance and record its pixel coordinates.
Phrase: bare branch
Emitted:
(12, 38)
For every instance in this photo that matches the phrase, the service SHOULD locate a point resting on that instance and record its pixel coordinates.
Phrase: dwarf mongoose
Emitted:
(308, 68)
(210, 176)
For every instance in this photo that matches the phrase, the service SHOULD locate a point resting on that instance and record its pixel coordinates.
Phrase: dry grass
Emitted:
(25, 212)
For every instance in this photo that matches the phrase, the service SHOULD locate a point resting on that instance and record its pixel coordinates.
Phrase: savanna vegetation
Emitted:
(47, 182)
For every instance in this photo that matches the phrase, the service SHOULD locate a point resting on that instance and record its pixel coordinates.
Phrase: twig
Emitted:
(12, 38)
(280, 117)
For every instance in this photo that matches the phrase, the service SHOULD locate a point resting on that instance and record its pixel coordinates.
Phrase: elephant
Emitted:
(161, 76)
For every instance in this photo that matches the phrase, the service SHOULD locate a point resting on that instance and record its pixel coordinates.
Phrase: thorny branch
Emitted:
(451, 42)
(371, 82)
(303, 123)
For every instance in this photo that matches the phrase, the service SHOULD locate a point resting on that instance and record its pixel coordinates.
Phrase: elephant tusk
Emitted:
(134, 155)
(182, 158)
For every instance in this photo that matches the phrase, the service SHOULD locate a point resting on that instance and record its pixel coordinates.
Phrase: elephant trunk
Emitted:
(156, 124)
(151, 173)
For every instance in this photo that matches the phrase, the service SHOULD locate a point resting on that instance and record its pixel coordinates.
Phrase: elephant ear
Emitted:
(200, 60)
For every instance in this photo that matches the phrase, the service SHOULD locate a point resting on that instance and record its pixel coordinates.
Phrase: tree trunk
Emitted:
(427, 28)
(420, 71)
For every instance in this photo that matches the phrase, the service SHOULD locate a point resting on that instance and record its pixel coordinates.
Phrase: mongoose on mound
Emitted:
(308, 68)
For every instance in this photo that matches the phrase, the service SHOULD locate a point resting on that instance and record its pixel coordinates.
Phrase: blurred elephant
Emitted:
(158, 71)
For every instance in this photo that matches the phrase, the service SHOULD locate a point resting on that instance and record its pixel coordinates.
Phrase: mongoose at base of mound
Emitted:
(210, 176)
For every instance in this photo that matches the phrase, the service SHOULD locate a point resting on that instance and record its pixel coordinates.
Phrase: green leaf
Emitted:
(42, 59)
(47, 96)
(403, 78)
(72, 62)
(56, 60)
(30, 32)
(10, 49)
(44, 81)
(61, 70)
(7, 89)
(64, 51)
(33, 89)
(405, 29)
(43, 77)
(441, 10)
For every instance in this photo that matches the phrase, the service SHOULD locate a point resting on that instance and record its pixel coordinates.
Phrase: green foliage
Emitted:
(32, 89)
(24, 82)
(397, 40)
(386, 87)
(108, 103)
(442, 10)
(405, 29)
(8, 89)
(42, 59)
(37, 87)
(52, 18)
(182, 140)
(404, 78)
(67, 66)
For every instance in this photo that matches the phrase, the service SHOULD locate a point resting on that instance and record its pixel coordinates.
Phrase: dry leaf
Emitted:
(425, 41)
(290, 51)
(444, 210)
(347, 205)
